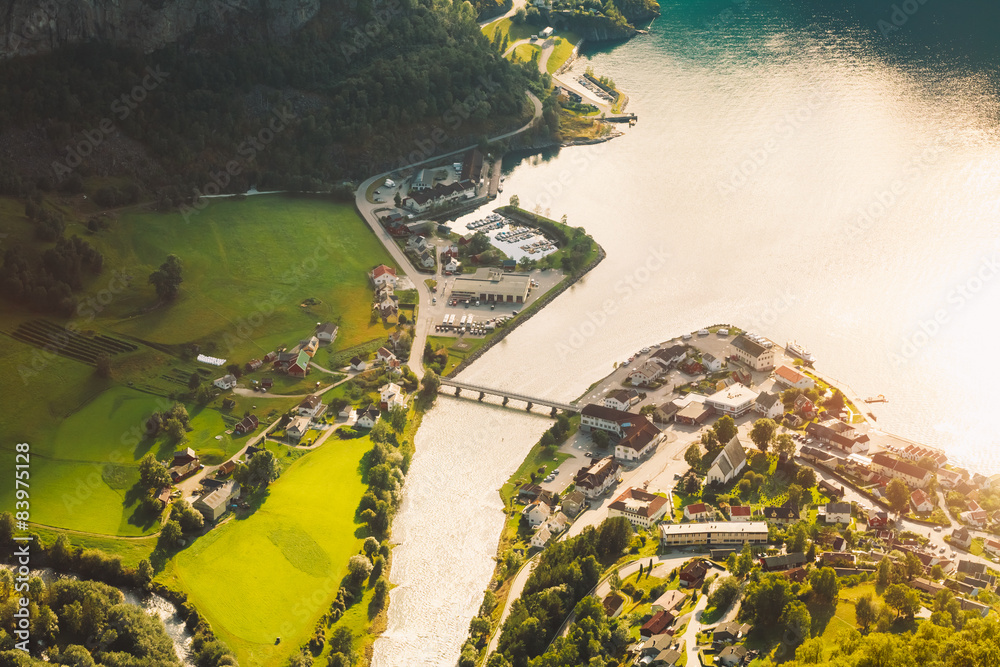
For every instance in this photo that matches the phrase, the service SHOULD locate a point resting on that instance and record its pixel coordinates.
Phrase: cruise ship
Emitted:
(800, 352)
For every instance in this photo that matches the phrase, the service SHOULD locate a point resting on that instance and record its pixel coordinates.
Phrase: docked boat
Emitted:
(800, 352)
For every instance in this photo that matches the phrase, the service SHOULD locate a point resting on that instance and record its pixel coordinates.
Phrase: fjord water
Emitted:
(796, 170)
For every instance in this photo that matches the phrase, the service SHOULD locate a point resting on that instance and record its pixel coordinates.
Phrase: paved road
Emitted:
(517, 4)
(516, 588)
(427, 314)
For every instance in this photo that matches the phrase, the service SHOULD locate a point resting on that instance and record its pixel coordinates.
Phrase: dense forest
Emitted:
(360, 87)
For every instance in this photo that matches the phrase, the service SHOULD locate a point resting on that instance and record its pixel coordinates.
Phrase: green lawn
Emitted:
(275, 572)
(458, 348)
(524, 53)
(507, 27)
(562, 51)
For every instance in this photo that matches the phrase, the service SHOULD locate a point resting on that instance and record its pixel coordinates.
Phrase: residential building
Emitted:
(597, 478)
(735, 400)
(659, 651)
(877, 518)
(730, 632)
(830, 489)
(225, 382)
(670, 601)
(639, 442)
(758, 356)
(695, 412)
(311, 406)
(426, 259)
(185, 463)
(613, 604)
(641, 508)
(782, 516)
(358, 364)
(913, 475)
(769, 405)
(346, 412)
(297, 427)
(671, 356)
(975, 518)
(386, 275)
(536, 514)
(713, 534)
(949, 479)
(300, 367)
(213, 504)
(728, 464)
(621, 399)
(384, 355)
(492, 285)
(992, 546)
(731, 656)
(693, 573)
(368, 417)
(246, 425)
(921, 502)
(791, 378)
(960, 537)
(740, 513)
(646, 373)
(699, 512)
(978, 607)
(838, 513)
(841, 435)
(711, 363)
(573, 503)
(391, 396)
(541, 537)
(664, 413)
(659, 624)
(326, 333)
(784, 562)
(309, 346)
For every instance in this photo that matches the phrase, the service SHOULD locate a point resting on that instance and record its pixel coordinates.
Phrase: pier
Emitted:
(508, 396)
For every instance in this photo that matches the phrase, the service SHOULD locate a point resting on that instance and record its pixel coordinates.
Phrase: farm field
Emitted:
(288, 557)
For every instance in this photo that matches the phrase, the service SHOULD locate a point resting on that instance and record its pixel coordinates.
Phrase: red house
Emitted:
(877, 519)
(299, 367)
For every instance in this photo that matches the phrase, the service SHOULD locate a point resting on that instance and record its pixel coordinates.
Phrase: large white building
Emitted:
(492, 284)
(758, 356)
(728, 464)
(713, 534)
(639, 507)
(735, 400)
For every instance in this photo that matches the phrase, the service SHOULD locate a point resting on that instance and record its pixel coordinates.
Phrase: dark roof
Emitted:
(750, 347)
(693, 570)
(310, 402)
(610, 414)
(355, 361)
(785, 562)
(620, 395)
(658, 624)
(766, 399)
(838, 508)
(639, 436)
(781, 513)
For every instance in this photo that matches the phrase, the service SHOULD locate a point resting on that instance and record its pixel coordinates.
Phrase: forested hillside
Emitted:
(361, 86)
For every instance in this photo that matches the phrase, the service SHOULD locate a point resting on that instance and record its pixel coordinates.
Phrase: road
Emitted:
(428, 315)
(517, 4)
(516, 588)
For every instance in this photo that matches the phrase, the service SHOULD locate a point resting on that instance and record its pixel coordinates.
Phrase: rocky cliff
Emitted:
(40, 26)
(592, 28)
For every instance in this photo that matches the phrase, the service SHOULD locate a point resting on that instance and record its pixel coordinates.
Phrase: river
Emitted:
(796, 170)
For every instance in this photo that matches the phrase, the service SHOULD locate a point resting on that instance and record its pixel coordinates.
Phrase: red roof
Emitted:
(740, 510)
(382, 269)
(789, 375)
(696, 508)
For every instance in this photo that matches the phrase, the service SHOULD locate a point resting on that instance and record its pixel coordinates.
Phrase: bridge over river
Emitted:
(508, 396)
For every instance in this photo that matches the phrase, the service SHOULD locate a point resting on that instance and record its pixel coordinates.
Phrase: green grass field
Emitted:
(274, 573)
(562, 51)
(524, 53)
(258, 273)
(507, 27)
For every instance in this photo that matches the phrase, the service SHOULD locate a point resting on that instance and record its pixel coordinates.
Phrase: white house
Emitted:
(838, 513)
(384, 355)
(391, 396)
(347, 411)
(416, 243)
(699, 512)
(310, 406)
(639, 507)
(758, 356)
(975, 518)
(711, 363)
(608, 419)
(647, 373)
(735, 400)
(789, 377)
(769, 405)
(921, 502)
(368, 417)
(728, 464)
(961, 537)
(226, 382)
(671, 355)
(536, 514)
(326, 332)
(621, 399)
(453, 265)
(384, 275)
(213, 504)
(297, 427)
(541, 537)
(992, 546)
(358, 364)
(426, 259)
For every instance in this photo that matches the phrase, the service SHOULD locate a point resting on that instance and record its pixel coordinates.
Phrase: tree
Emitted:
(171, 533)
(710, 440)
(429, 384)
(600, 438)
(615, 581)
(691, 485)
(194, 381)
(796, 621)
(898, 495)
(152, 473)
(903, 599)
(693, 456)
(763, 432)
(262, 469)
(764, 600)
(744, 562)
(866, 611)
(6, 528)
(725, 593)
(795, 494)
(515, 201)
(785, 444)
(359, 568)
(615, 534)
(883, 573)
(825, 584)
(144, 573)
(167, 279)
(397, 418)
(725, 429)
(799, 537)
(370, 546)
(805, 477)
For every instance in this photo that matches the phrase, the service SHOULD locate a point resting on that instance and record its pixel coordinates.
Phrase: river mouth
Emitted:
(793, 172)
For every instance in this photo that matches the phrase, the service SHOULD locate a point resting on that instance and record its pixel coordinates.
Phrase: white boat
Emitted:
(800, 352)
